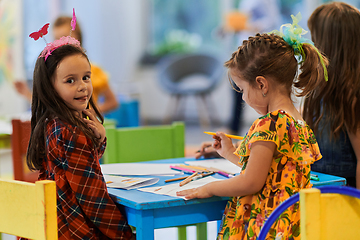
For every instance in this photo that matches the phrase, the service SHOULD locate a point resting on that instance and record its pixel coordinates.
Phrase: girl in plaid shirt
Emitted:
(67, 140)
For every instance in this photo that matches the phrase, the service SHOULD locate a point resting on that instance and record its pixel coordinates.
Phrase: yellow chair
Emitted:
(326, 213)
(139, 144)
(28, 209)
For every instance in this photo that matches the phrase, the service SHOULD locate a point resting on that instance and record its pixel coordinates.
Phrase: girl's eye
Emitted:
(86, 78)
(70, 80)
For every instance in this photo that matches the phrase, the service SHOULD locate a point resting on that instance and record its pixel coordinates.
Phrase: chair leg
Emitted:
(172, 109)
(204, 119)
(201, 231)
(182, 233)
(210, 107)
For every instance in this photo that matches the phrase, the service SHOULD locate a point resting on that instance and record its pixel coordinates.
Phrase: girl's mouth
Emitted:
(84, 98)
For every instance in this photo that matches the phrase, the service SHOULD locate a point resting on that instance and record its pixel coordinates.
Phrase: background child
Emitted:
(333, 112)
(66, 147)
(279, 147)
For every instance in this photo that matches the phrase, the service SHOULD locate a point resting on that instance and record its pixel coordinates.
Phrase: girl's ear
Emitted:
(262, 84)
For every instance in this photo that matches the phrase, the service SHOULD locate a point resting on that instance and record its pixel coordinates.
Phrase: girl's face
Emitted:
(251, 95)
(72, 82)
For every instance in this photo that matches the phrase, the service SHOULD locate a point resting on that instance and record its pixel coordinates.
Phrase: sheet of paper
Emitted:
(128, 182)
(138, 169)
(219, 163)
(171, 189)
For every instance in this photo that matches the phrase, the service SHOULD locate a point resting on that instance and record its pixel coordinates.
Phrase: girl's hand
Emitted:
(200, 192)
(207, 151)
(223, 145)
(94, 124)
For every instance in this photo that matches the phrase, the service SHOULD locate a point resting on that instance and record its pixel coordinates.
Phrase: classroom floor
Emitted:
(194, 136)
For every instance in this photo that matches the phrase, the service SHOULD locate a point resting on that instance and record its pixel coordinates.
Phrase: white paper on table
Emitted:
(138, 169)
(171, 189)
(128, 182)
(219, 163)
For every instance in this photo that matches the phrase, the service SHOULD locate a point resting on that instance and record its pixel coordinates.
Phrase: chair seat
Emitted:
(193, 84)
(196, 74)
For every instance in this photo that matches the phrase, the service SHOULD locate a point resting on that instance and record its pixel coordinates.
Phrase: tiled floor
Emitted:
(194, 137)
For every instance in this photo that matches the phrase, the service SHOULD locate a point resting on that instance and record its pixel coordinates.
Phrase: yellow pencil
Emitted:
(228, 135)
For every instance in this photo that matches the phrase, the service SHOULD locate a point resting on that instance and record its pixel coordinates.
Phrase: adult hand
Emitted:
(207, 151)
(95, 124)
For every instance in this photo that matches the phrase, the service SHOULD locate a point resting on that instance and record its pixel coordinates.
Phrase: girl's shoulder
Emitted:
(56, 127)
(277, 118)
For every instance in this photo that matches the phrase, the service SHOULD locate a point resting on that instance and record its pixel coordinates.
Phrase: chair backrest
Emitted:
(19, 142)
(174, 69)
(28, 209)
(332, 213)
(328, 212)
(138, 144)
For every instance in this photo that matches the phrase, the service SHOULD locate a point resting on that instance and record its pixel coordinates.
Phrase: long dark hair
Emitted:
(268, 55)
(335, 31)
(47, 105)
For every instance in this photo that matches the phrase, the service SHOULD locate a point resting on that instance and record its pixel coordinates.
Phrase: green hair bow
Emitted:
(292, 34)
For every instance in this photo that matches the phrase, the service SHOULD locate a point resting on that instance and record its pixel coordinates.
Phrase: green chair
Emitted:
(139, 144)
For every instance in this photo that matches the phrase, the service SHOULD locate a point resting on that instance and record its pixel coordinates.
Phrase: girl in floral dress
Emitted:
(276, 153)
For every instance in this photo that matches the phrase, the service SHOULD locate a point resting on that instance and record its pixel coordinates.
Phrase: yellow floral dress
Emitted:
(290, 171)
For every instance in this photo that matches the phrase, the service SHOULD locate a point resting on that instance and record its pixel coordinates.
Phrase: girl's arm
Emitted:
(110, 103)
(355, 142)
(86, 181)
(249, 182)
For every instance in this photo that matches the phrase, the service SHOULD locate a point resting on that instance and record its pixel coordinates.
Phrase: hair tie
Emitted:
(292, 34)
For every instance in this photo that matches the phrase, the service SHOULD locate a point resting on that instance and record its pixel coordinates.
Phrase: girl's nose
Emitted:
(82, 86)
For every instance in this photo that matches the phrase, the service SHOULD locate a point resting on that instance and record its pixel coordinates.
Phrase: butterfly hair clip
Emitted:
(65, 40)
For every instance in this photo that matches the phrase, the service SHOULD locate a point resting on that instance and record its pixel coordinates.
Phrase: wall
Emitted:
(11, 49)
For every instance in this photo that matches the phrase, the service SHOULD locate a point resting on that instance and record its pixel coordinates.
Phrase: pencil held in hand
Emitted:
(228, 135)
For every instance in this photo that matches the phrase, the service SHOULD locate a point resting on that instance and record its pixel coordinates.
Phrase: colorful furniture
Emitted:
(19, 142)
(28, 209)
(327, 212)
(148, 211)
(193, 74)
(141, 144)
(127, 114)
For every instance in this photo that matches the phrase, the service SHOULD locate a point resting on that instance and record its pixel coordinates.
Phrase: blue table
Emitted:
(148, 211)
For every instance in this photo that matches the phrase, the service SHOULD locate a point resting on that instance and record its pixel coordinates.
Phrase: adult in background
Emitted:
(333, 110)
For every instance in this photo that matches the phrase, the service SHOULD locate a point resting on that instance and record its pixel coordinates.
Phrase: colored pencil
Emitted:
(225, 174)
(228, 135)
(194, 177)
(175, 179)
(188, 179)
(186, 170)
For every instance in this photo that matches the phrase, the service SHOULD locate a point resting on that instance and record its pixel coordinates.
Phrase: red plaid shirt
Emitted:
(84, 207)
